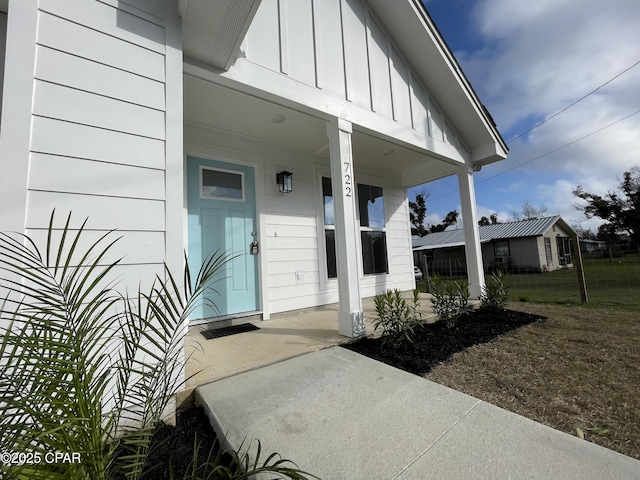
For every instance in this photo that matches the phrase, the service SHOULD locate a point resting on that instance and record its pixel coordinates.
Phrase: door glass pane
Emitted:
(220, 185)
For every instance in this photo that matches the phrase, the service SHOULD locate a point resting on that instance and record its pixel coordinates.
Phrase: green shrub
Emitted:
(85, 370)
(397, 318)
(494, 294)
(450, 299)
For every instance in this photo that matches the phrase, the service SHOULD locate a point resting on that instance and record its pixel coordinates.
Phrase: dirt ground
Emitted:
(578, 372)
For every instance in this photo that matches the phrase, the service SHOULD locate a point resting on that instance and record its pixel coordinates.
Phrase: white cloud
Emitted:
(538, 57)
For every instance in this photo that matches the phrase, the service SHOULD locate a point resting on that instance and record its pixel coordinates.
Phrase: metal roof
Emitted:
(525, 228)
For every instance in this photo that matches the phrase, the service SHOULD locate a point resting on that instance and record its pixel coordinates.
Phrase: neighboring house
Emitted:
(172, 121)
(535, 245)
(592, 246)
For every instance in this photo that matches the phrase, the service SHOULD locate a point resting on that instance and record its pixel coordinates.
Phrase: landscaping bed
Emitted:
(172, 449)
(435, 343)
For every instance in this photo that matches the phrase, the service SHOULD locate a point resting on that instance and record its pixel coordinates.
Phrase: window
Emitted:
(221, 184)
(547, 250)
(501, 248)
(372, 234)
(372, 229)
(329, 228)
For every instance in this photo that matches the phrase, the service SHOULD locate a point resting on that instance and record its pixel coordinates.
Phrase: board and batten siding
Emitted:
(339, 47)
(99, 143)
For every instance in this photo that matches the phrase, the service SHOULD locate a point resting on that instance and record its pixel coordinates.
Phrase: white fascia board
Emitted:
(486, 154)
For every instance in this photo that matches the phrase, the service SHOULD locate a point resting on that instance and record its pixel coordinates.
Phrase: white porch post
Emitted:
(350, 313)
(475, 271)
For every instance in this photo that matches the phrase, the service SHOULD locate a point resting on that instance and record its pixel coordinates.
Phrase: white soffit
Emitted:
(212, 30)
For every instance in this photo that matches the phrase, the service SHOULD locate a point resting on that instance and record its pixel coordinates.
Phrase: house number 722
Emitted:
(347, 179)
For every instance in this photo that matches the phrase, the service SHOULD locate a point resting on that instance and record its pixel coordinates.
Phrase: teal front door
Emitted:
(222, 217)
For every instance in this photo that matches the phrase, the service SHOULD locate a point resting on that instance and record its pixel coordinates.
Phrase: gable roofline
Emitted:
(534, 227)
(464, 80)
(420, 41)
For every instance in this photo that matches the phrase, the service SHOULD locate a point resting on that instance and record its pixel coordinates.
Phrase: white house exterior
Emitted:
(169, 121)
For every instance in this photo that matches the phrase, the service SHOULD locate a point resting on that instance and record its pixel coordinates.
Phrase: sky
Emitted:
(528, 60)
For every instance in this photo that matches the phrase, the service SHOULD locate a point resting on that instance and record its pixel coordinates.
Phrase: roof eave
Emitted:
(212, 31)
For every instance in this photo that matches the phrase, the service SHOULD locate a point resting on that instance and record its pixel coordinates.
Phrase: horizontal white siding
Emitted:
(70, 37)
(134, 248)
(81, 176)
(67, 69)
(340, 47)
(99, 129)
(83, 141)
(77, 106)
(106, 213)
(140, 29)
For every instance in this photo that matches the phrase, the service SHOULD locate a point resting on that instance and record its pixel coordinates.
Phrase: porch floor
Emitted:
(284, 336)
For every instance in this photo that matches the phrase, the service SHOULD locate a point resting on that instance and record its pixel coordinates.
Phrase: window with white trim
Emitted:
(372, 229)
(373, 234)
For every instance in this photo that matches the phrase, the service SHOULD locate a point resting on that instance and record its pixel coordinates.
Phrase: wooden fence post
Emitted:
(577, 255)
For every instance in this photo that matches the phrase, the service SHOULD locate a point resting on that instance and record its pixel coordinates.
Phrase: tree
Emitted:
(620, 208)
(450, 219)
(492, 220)
(586, 234)
(529, 211)
(418, 213)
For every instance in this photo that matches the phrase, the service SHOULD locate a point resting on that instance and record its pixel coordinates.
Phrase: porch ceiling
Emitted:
(222, 108)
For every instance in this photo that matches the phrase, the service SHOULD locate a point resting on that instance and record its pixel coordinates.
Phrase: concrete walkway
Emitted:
(340, 415)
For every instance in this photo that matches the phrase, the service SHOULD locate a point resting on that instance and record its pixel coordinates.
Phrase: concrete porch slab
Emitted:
(340, 415)
(284, 336)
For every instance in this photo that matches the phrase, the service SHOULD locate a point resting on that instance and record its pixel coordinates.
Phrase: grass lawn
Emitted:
(580, 369)
(609, 284)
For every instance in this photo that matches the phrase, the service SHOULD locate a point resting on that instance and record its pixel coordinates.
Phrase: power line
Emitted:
(547, 153)
(559, 148)
(574, 103)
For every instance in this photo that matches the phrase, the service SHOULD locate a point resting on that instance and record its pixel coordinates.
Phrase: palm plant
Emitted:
(85, 370)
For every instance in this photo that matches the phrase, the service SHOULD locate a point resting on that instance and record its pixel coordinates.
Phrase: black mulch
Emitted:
(435, 343)
(172, 450)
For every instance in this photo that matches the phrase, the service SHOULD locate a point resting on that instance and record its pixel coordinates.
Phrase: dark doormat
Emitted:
(225, 331)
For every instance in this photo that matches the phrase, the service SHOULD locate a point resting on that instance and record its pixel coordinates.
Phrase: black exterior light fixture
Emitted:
(284, 181)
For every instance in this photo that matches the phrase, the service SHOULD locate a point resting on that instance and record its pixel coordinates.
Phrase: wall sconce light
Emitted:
(284, 181)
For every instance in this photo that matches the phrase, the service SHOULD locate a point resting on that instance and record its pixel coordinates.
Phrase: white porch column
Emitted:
(350, 313)
(475, 271)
